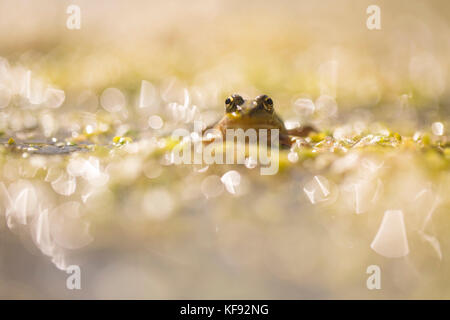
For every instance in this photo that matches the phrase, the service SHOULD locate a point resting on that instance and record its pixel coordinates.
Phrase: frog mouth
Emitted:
(252, 124)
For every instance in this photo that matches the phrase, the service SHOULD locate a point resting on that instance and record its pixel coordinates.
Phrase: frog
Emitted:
(258, 113)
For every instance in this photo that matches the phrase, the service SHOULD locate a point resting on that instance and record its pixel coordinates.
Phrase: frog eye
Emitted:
(230, 105)
(268, 104)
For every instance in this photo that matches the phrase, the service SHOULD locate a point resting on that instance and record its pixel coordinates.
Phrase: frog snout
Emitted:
(247, 107)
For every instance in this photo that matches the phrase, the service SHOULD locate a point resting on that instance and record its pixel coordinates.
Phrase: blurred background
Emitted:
(85, 164)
